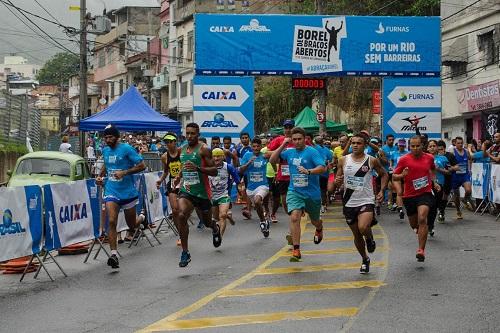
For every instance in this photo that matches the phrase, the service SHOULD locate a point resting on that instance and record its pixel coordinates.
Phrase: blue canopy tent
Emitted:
(130, 113)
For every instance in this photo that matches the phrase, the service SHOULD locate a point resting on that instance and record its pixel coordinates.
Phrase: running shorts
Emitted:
(296, 201)
(261, 191)
(123, 203)
(411, 204)
(201, 203)
(351, 213)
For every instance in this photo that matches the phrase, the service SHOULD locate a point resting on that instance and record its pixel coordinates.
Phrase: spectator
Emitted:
(65, 146)
(90, 152)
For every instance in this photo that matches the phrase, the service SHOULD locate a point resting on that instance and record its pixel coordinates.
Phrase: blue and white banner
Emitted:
(229, 44)
(154, 197)
(495, 183)
(71, 213)
(411, 102)
(21, 228)
(480, 180)
(224, 106)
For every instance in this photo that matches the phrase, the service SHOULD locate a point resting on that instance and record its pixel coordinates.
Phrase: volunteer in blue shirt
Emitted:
(327, 155)
(389, 148)
(254, 167)
(482, 155)
(121, 161)
(304, 194)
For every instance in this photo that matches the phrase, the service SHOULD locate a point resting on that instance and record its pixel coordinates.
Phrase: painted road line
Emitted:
(264, 318)
(307, 230)
(316, 268)
(334, 221)
(299, 288)
(339, 239)
(341, 250)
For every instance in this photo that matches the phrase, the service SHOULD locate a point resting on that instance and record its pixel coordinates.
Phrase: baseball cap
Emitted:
(401, 142)
(111, 130)
(169, 137)
(289, 122)
(374, 140)
(217, 152)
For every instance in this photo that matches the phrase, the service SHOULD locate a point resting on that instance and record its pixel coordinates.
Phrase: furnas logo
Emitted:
(221, 28)
(218, 95)
(403, 97)
(381, 29)
(218, 122)
(254, 26)
(9, 227)
(73, 213)
(415, 97)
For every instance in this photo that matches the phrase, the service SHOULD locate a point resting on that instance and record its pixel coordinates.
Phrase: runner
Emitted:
(171, 161)
(197, 165)
(241, 149)
(417, 170)
(323, 178)
(397, 185)
(304, 195)
(254, 167)
(221, 201)
(270, 175)
(442, 168)
(462, 177)
(121, 161)
(389, 149)
(355, 171)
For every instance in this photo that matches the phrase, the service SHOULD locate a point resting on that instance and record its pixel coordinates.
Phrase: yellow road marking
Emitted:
(298, 288)
(316, 268)
(338, 239)
(264, 318)
(333, 220)
(307, 230)
(340, 250)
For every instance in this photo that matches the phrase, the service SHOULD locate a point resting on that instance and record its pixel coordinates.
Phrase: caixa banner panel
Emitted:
(411, 102)
(326, 45)
(224, 106)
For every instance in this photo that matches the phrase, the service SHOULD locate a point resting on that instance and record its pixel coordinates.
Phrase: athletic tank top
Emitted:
(194, 182)
(219, 184)
(174, 165)
(358, 186)
(462, 162)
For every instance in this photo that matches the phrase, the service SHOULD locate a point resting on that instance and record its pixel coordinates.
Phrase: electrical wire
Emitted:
(459, 11)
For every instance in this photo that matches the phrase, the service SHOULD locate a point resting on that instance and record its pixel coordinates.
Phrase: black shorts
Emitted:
(201, 203)
(411, 204)
(282, 186)
(323, 183)
(351, 213)
(273, 187)
(169, 189)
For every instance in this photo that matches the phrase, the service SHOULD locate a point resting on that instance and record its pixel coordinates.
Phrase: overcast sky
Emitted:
(16, 37)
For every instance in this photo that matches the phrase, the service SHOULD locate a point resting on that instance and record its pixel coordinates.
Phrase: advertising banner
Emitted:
(71, 213)
(495, 183)
(228, 44)
(479, 97)
(480, 180)
(154, 197)
(224, 106)
(21, 228)
(490, 124)
(411, 102)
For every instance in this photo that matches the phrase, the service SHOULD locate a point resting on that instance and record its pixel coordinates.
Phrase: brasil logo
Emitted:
(219, 121)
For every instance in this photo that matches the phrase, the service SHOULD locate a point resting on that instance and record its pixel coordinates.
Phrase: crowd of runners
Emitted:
(415, 177)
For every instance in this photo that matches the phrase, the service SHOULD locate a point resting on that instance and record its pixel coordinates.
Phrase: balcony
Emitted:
(110, 37)
(92, 89)
(160, 81)
(184, 13)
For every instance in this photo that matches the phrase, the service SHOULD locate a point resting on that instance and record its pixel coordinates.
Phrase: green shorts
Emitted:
(296, 201)
(221, 201)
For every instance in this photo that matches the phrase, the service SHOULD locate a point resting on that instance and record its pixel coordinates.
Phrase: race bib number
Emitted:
(112, 176)
(300, 180)
(112, 159)
(256, 177)
(285, 170)
(420, 183)
(355, 183)
(191, 177)
(462, 169)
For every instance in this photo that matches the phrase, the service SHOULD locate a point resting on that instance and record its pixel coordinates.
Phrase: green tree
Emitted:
(59, 68)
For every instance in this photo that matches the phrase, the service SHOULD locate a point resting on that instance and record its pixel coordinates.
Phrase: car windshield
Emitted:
(43, 166)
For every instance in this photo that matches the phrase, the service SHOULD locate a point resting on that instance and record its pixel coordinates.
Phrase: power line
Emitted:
(383, 7)
(45, 10)
(461, 10)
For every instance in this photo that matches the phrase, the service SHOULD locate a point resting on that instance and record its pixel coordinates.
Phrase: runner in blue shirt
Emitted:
(327, 155)
(396, 184)
(254, 167)
(389, 148)
(121, 161)
(304, 194)
(241, 149)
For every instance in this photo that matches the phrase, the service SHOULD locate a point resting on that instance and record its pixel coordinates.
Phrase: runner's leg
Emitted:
(112, 210)
(359, 240)
(295, 218)
(185, 210)
(222, 211)
(423, 212)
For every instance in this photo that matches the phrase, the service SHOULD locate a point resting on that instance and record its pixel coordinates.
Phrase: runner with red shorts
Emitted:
(417, 169)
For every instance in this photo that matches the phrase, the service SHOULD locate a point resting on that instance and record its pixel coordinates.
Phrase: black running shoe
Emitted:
(113, 261)
(401, 213)
(370, 245)
(365, 266)
(217, 238)
(377, 210)
(185, 259)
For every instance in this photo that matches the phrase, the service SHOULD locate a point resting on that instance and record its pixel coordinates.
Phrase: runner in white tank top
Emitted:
(355, 171)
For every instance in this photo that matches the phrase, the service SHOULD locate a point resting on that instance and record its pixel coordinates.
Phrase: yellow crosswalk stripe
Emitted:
(298, 288)
(263, 318)
(339, 239)
(340, 250)
(307, 230)
(316, 268)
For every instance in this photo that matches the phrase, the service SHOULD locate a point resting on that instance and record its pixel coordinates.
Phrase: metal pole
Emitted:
(322, 93)
(83, 70)
(148, 83)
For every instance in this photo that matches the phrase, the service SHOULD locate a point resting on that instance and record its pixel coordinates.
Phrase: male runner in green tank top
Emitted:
(197, 165)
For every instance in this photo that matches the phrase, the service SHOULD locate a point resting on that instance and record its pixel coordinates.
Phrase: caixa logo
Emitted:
(218, 95)
(9, 227)
(218, 122)
(73, 212)
(221, 28)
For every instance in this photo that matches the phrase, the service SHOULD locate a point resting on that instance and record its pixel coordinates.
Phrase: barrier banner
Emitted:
(480, 180)
(21, 228)
(71, 213)
(495, 183)
(121, 223)
(154, 197)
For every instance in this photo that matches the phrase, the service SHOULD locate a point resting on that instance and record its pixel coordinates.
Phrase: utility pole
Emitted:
(322, 93)
(148, 80)
(83, 69)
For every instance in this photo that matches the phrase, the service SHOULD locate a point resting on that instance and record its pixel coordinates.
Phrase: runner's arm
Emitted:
(275, 156)
(382, 173)
(136, 168)
(339, 177)
(233, 173)
(165, 173)
(347, 146)
(243, 168)
(209, 169)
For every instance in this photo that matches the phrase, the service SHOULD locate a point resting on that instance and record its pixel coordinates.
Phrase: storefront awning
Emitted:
(456, 50)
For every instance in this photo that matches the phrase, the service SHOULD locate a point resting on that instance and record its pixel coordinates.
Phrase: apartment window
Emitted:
(184, 89)
(112, 89)
(121, 87)
(180, 45)
(122, 49)
(173, 89)
(190, 42)
(174, 54)
(489, 48)
(102, 59)
(458, 69)
(191, 89)
(109, 55)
